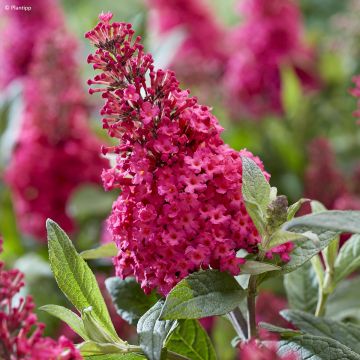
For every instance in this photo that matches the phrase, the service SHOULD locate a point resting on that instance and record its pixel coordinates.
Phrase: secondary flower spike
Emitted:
(180, 208)
(56, 151)
(270, 37)
(21, 335)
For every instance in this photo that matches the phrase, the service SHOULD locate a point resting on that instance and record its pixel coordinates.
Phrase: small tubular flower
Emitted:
(180, 208)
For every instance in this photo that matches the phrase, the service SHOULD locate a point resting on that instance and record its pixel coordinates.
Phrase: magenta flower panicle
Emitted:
(180, 208)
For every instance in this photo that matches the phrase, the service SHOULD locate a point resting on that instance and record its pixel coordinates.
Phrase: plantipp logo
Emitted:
(12, 7)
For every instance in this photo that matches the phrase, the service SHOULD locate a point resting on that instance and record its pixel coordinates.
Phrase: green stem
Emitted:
(251, 301)
(321, 305)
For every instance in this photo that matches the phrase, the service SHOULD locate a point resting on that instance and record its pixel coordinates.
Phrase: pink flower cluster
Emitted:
(253, 350)
(246, 60)
(268, 306)
(270, 37)
(325, 182)
(180, 207)
(56, 151)
(195, 18)
(17, 45)
(21, 335)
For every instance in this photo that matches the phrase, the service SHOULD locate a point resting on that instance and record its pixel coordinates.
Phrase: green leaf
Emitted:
(283, 332)
(333, 220)
(69, 317)
(129, 299)
(256, 267)
(311, 347)
(74, 277)
(256, 192)
(346, 334)
(305, 250)
(348, 259)
(294, 208)
(344, 302)
(103, 251)
(302, 288)
(281, 237)
(94, 330)
(191, 340)
(12, 246)
(203, 294)
(291, 93)
(90, 348)
(317, 206)
(153, 331)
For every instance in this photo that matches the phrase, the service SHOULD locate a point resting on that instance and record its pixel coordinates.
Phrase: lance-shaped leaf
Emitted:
(91, 348)
(312, 347)
(74, 276)
(333, 220)
(305, 250)
(294, 208)
(67, 316)
(281, 237)
(255, 192)
(256, 267)
(344, 302)
(203, 294)
(191, 340)
(346, 334)
(129, 299)
(153, 331)
(348, 259)
(103, 251)
(302, 288)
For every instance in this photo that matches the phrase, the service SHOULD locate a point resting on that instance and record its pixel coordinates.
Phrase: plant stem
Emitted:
(239, 323)
(320, 308)
(251, 301)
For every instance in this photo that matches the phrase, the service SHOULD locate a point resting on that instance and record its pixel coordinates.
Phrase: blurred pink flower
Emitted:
(56, 151)
(21, 335)
(255, 350)
(356, 92)
(21, 33)
(204, 48)
(270, 37)
(268, 306)
(323, 181)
